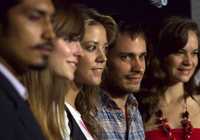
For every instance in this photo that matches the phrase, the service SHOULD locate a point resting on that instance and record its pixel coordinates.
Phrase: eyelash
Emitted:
(91, 48)
(34, 16)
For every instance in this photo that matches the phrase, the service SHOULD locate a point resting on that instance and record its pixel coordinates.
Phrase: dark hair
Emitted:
(172, 37)
(5, 6)
(133, 30)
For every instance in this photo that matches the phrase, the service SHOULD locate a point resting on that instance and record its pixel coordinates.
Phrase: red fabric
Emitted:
(178, 133)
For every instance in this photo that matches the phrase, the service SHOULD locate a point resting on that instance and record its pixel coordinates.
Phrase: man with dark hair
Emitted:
(26, 36)
(118, 114)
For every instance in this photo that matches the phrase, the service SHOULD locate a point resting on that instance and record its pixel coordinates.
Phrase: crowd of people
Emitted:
(68, 72)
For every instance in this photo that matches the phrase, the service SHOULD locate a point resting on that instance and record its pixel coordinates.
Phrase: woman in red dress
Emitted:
(170, 101)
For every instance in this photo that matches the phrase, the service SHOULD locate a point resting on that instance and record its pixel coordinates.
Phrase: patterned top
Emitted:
(113, 121)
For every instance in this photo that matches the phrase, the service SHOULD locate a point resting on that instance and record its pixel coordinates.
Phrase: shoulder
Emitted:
(197, 98)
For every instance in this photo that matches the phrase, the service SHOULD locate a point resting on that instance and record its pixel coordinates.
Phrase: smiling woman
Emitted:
(169, 86)
(48, 88)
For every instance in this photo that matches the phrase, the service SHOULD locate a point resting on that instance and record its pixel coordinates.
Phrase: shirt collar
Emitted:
(13, 80)
(107, 101)
(73, 111)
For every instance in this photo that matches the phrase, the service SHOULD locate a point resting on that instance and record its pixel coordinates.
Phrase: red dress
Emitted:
(178, 133)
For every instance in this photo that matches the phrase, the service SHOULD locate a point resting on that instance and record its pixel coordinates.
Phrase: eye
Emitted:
(195, 53)
(179, 53)
(91, 47)
(105, 48)
(34, 15)
(125, 57)
(143, 56)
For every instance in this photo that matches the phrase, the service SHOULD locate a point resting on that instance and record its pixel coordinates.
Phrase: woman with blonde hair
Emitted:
(100, 31)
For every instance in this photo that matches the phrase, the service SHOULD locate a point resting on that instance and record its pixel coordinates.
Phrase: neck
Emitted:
(72, 94)
(174, 93)
(119, 96)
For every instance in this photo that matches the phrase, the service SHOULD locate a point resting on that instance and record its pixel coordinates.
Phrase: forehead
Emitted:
(43, 5)
(95, 32)
(125, 43)
(192, 42)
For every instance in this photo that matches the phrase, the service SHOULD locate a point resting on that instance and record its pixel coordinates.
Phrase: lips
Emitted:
(73, 63)
(134, 79)
(185, 71)
(98, 71)
(44, 48)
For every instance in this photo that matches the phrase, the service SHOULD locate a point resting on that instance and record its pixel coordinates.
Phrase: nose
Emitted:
(48, 32)
(188, 58)
(78, 51)
(137, 65)
(101, 56)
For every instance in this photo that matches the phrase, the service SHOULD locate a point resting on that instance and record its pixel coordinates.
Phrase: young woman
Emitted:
(50, 86)
(100, 31)
(170, 102)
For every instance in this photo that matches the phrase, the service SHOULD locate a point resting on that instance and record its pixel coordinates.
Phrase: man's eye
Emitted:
(125, 57)
(34, 16)
(143, 56)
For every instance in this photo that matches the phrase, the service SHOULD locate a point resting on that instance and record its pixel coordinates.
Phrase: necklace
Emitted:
(163, 124)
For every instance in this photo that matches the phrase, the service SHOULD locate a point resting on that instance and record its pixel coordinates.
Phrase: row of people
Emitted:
(90, 72)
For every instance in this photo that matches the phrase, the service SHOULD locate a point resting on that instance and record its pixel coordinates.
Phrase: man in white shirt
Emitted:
(26, 36)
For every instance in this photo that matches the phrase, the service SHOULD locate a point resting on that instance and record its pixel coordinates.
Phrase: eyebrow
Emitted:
(95, 42)
(132, 54)
(41, 11)
(182, 49)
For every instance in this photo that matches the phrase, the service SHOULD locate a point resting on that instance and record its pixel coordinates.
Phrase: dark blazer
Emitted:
(16, 119)
(76, 133)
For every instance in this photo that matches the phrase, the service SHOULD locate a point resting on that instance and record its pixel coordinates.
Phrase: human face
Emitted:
(64, 58)
(92, 63)
(27, 40)
(126, 63)
(182, 64)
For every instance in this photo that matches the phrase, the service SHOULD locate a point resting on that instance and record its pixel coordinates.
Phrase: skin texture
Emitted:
(93, 62)
(126, 63)
(64, 58)
(181, 65)
(27, 40)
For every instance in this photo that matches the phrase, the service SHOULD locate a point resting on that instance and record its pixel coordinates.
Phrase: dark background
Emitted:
(141, 11)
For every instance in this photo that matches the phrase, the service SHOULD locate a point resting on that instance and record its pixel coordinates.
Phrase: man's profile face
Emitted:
(27, 40)
(126, 62)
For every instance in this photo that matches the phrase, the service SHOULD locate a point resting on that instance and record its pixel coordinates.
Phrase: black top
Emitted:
(16, 119)
(76, 133)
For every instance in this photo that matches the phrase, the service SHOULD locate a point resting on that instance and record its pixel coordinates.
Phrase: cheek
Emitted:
(86, 62)
(120, 67)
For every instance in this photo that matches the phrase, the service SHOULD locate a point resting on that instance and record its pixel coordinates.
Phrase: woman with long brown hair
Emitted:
(170, 101)
(50, 86)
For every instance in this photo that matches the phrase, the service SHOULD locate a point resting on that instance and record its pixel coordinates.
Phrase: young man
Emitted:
(118, 114)
(26, 37)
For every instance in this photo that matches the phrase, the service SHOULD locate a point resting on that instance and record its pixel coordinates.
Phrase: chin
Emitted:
(133, 89)
(95, 82)
(70, 78)
(40, 66)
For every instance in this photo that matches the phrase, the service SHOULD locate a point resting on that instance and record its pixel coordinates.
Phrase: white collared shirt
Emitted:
(13, 80)
(79, 121)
